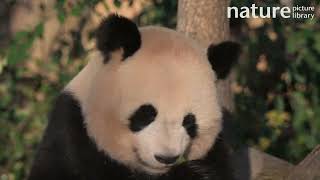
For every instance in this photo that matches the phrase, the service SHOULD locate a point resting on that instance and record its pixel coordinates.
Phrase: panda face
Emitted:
(158, 105)
(166, 101)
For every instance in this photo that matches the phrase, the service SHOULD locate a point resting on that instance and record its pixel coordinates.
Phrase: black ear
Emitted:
(117, 32)
(223, 56)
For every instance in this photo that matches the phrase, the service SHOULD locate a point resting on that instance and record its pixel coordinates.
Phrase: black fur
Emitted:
(117, 32)
(223, 56)
(189, 123)
(67, 153)
(142, 117)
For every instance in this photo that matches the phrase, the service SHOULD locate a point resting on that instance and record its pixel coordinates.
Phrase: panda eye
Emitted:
(189, 123)
(142, 117)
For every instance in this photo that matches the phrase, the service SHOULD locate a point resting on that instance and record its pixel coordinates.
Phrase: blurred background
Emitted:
(44, 43)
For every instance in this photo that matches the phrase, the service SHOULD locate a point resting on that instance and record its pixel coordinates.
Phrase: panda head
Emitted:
(152, 98)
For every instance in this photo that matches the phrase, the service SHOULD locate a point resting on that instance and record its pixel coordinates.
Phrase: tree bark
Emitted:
(204, 20)
(251, 164)
(309, 168)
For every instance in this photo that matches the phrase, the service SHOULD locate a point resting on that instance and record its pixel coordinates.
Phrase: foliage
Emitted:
(161, 12)
(26, 94)
(29, 85)
(278, 87)
(277, 91)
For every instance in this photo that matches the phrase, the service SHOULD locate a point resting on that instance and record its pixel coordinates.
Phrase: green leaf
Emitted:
(279, 103)
(77, 9)
(295, 41)
(317, 42)
(60, 11)
(22, 42)
(38, 31)
(61, 17)
(117, 3)
(3, 64)
(18, 53)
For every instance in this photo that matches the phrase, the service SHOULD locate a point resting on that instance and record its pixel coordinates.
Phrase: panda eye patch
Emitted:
(142, 117)
(189, 123)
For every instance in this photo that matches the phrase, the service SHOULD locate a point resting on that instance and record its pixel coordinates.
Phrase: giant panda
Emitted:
(144, 107)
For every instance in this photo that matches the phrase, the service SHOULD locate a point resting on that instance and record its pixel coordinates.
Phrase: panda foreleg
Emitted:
(51, 161)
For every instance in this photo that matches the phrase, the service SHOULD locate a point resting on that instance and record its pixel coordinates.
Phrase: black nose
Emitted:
(166, 159)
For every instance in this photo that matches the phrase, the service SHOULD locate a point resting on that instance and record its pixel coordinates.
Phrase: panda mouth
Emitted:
(149, 166)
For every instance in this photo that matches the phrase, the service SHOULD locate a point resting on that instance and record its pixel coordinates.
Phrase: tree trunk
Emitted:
(195, 19)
